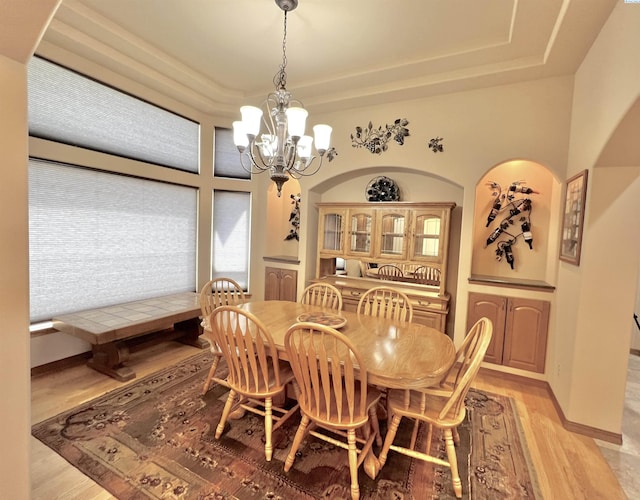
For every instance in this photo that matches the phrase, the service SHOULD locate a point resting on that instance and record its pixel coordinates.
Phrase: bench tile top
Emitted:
(113, 322)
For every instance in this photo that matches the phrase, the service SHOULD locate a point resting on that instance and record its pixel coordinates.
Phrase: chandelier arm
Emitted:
(249, 169)
(262, 165)
(303, 172)
(254, 166)
(270, 104)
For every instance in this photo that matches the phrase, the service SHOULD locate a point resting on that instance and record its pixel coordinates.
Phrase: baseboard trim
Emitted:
(61, 364)
(515, 377)
(585, 430)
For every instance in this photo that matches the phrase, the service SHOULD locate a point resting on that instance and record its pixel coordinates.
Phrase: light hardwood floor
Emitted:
(568, 465)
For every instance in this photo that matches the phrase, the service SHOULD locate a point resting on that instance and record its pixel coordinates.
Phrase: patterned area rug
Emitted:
(155, 439)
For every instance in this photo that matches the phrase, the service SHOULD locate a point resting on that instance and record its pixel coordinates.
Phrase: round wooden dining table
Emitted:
(397, 354)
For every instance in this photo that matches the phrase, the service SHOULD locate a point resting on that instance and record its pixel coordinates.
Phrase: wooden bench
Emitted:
(107, 328)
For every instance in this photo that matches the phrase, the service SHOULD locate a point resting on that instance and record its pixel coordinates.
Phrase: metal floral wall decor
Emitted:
(376, 139)
(435, 145)
(294, 218)
(506, 208)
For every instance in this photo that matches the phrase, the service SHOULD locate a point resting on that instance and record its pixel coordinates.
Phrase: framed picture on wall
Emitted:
(573, 218)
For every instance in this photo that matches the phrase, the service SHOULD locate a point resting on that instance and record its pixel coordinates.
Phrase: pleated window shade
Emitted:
(98, 239)
(226, 162)
(231, 235)
(67, 107)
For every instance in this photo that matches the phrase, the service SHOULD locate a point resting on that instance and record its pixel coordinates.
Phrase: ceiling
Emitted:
(215, 54)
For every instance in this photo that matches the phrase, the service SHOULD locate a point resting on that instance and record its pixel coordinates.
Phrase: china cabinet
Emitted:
(406, 234)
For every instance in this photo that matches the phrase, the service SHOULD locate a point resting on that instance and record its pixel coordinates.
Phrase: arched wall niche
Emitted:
(538, 262)
(415, 185)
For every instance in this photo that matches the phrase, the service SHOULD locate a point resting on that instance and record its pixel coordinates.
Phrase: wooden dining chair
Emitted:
(217, 292)
(441, 409)
(333, 395)
(256, 374)
(322, 294)
(386, 302)
(427, 275)
(389, 272)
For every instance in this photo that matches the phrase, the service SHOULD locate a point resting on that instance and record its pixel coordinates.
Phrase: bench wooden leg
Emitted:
(191, 331)
(109, 358)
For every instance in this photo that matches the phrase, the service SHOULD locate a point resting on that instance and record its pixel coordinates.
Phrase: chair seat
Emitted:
(433, 405)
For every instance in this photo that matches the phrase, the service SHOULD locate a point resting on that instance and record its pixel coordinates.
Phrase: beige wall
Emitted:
(15, 417)
(635, 331)
(596, 299)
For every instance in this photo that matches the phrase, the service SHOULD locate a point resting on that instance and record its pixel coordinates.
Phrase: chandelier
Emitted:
(283, 150)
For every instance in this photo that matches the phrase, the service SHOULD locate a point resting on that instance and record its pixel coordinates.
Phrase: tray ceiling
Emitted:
(217, 54)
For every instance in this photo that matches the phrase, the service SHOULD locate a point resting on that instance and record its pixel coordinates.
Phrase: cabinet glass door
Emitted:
(333, 225)
(426, 240)
(360, 232)
(392, 235)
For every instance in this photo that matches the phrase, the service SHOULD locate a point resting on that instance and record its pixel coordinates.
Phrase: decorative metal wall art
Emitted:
(382, 189)
(294, 218)
(510, 204)
(376, 139)
(331, 153)
(435, 145)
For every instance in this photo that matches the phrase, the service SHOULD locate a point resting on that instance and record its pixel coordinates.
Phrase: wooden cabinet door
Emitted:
(272, 283)
(331, 233)
(525, 343)
(494, 308)
(427, 236)
(391, 231)
(288, 285)
(360, 232)
(280, 284)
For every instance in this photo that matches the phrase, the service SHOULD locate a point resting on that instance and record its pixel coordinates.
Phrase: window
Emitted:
(97, 239)
(227, 158)
(67, 107)
(231, 235)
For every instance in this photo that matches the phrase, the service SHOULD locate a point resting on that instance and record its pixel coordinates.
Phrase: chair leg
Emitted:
(414, 434)
(225, 413)
(212, 372)
(353, 464)
(427, 445)
(456, 436)
(268, 426)
(297, 440)
(388, 440)
(375, 424)
(453, 462)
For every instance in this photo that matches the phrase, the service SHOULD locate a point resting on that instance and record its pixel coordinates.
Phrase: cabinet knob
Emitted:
(424, 302)
(354, 294)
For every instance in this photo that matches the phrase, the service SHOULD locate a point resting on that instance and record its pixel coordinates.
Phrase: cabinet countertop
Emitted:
(511, 282)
